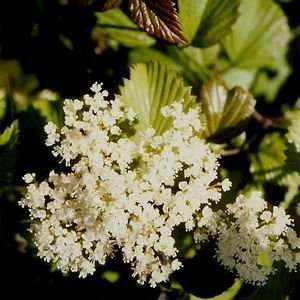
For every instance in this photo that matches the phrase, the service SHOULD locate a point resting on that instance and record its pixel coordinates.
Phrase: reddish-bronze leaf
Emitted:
(158, 18)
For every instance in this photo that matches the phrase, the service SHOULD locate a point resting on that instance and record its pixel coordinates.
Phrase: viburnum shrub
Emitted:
(196, 152)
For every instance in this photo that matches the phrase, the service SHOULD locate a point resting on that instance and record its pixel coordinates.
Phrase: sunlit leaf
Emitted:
(225, 110)
(192, 63)
(190, 12)
(120, 28)
(259, 37)
(207, 22)
(152, 86)
(144, 55)
(158, 18)
(239, 77)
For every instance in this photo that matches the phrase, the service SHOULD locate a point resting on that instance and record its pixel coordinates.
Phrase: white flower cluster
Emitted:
(124, 191)
(251, 238)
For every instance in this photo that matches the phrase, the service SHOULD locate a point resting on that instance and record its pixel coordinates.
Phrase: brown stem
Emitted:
(267, 122)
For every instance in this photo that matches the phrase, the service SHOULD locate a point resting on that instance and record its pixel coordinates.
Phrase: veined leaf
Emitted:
(259, 37)
(225, 110)
(192, 63)
(190, 12)
(158, 18)
(144, 55)
(120, 28)
(152, 86)
(207, 22)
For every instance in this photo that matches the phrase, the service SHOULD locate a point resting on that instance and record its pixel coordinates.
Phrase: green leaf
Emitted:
(190, 12)
(144, 55)
(8, 137)
(206, 22)
(225, 111)
(269, 161)
(259, 37)
(120, 28)
(192, 63)
(158, 18)
(239, 77)
(152, 86)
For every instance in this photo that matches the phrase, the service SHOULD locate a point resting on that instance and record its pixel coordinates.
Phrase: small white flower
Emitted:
(226, 185)
(28, 178)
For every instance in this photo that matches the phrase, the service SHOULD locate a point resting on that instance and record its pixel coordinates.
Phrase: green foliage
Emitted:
(229, 51)
(8, 137)
(121, 29)
(225, 110)
(260, 36)
(207, 22)
(191, 62)
(152, 86)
